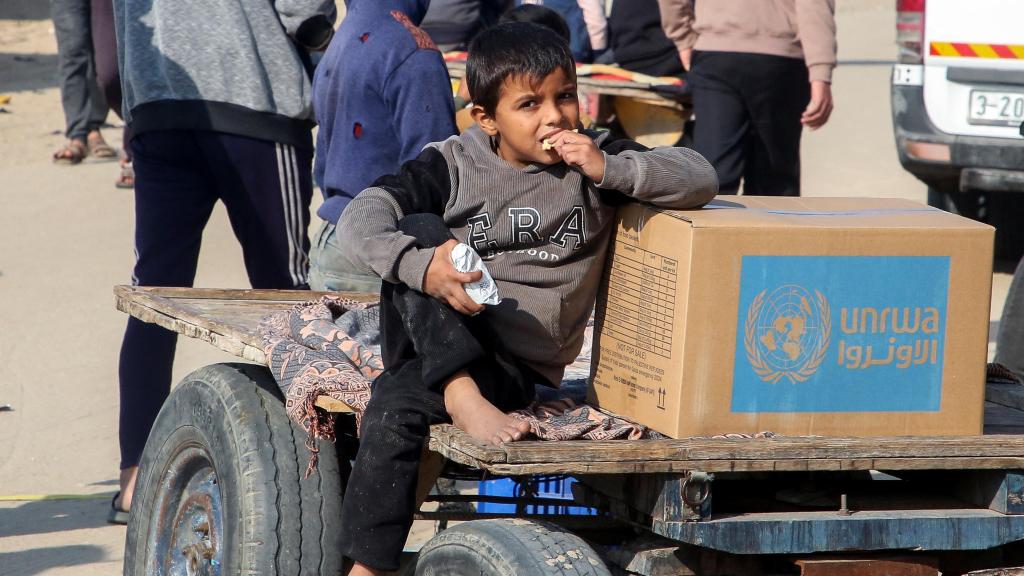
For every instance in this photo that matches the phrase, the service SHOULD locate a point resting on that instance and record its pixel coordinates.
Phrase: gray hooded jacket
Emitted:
(233, 66)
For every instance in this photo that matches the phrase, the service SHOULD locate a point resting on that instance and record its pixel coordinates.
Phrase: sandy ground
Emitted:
(66, 239)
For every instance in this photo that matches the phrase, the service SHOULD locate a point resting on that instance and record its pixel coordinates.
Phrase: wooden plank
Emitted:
(679, 466)
(228, 319)
(780, 448)
(897, 566)
(225, 342)
(237, 294)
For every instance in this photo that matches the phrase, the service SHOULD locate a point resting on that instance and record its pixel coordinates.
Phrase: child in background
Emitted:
(381, 93)
(541, 218)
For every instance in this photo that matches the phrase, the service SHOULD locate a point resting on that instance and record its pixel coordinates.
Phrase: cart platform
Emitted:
(228, 319)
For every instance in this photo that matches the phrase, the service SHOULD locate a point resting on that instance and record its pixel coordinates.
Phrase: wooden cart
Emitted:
(221, 488)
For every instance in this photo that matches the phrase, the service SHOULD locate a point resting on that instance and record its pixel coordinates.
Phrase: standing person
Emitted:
(760, 70)
(381, 94)
(637, 42)
(219, 109)
(85, 109)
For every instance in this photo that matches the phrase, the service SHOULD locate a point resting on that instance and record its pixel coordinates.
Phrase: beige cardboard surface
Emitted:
(669, 319)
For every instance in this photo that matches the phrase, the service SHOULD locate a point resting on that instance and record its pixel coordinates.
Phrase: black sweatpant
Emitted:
(424, 342)
(180, 175)
(748, 109)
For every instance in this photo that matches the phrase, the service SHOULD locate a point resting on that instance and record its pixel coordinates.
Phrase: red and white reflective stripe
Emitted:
(973, 50)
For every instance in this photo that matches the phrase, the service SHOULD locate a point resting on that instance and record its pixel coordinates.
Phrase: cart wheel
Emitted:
(220, 488)
(507, 547)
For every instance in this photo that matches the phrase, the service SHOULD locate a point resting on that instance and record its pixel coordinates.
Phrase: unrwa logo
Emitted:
(787, 333)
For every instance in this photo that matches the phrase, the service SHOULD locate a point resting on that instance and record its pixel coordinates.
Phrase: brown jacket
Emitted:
(803, 29)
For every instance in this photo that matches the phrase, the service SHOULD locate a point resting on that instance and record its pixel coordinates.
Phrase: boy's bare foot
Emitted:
(473, 414)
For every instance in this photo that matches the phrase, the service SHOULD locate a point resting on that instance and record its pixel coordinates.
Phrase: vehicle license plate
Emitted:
(996, 108)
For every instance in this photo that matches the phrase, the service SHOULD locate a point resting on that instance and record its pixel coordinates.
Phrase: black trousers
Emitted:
(181, 174)
(424, 342)
(748, 109)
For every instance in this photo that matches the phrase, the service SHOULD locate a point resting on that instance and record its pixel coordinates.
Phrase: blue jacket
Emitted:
(381, 93)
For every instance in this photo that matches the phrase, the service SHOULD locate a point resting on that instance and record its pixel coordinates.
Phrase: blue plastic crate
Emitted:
(554, 487)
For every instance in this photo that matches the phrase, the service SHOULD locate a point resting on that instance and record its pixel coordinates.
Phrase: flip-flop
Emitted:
(72, 152)
(98, 148)
(116, 515)
(126, 180)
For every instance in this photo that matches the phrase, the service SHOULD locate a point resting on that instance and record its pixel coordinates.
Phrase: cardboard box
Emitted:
(830, 316)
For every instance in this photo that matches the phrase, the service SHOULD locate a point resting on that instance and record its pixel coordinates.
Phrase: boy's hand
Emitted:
(580, 152)
(444, 282)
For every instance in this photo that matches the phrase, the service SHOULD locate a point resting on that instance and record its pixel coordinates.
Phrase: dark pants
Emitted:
(748, 109)
(423, 342)
(104, 42)
(266, 188)
(85, 108)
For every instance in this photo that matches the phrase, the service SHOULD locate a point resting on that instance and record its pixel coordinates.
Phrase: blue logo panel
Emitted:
(840, 334)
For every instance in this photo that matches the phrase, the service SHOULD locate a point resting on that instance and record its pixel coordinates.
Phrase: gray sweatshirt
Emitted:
(543, 230)
(233, 66)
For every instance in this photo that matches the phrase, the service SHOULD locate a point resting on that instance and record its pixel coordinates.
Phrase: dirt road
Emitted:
(66, 239)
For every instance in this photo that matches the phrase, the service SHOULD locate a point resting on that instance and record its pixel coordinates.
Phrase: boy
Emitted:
(542, 218)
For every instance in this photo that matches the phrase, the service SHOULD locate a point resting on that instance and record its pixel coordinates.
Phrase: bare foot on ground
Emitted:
(473, 414)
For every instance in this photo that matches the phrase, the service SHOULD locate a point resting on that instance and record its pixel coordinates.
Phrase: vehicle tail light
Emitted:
(910, 30)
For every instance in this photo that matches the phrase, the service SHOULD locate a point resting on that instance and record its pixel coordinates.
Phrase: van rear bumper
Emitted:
(945, 160)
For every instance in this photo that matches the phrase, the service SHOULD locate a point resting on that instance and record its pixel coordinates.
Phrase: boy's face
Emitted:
(527, 113)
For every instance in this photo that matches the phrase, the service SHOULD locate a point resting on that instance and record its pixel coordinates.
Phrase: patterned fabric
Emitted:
(423, 41)
(331, 347)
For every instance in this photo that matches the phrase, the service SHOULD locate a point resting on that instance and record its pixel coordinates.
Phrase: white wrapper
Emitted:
(484, 290)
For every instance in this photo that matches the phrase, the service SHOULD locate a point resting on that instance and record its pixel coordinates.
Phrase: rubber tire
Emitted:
(274, 521)
(507, 547)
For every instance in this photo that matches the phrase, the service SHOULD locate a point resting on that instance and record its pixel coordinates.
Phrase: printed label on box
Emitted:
(840, 334)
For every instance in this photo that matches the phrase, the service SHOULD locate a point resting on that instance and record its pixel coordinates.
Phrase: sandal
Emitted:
(73, 152)
(126, 181)
(98, 147)
(116, 515)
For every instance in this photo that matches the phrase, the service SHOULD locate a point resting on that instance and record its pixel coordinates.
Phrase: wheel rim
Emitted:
(187, 528)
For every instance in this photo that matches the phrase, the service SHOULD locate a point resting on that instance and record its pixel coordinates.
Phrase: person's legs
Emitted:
(330, 270)
(424, 344)
(172, 205)
(1010, 338)
(104, 42)
(776, 91)
(722, 121)
(267, 188)
(71, 25)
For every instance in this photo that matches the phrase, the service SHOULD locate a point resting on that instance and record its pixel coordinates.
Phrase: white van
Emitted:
(958, 106)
